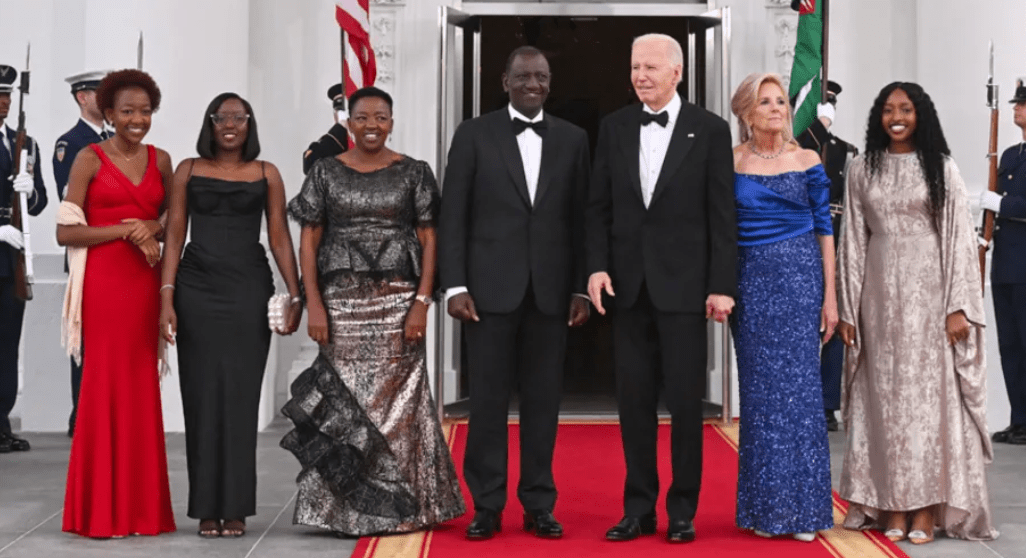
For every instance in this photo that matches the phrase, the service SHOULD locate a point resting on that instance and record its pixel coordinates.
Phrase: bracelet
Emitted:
(295, 299)
(168, 286)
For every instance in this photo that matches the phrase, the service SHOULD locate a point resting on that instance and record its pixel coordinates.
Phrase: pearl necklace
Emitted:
(751, 146)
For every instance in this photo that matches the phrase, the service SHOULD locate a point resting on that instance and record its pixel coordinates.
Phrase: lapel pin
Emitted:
(691, 135)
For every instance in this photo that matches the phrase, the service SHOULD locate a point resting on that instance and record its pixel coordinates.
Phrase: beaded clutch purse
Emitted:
(276, 307)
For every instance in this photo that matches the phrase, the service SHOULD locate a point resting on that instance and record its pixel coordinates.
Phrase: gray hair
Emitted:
(672, 46)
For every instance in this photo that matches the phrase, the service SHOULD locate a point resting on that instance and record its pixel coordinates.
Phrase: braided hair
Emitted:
(928, 138)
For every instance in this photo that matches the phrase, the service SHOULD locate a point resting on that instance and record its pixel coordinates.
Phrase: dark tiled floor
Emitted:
(32, 492)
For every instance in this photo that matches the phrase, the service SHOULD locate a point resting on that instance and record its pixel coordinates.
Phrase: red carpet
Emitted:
(589, 473)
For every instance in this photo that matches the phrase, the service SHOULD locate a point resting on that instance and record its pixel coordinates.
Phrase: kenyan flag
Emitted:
(808, 61)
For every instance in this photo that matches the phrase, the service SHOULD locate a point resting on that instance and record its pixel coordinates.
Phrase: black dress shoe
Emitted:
(630, 528)
(680, 531)
(1002, 436)
(9, 442)
(484, 526)
(543, 523)
(1017, 437)
(831, 421)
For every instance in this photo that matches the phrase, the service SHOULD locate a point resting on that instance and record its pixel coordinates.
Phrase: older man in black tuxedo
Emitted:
(661, 227)
(511, 255)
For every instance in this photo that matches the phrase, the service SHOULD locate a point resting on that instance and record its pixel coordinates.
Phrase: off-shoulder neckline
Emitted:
(782, 173)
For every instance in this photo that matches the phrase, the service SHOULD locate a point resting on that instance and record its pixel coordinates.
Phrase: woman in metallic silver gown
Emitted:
(367, 435)
(911, 314)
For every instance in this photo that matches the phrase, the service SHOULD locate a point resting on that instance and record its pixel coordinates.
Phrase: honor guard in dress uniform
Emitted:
(88, 130)
(337, 139)
(1008, 272)
(836, 154)
(12, 310)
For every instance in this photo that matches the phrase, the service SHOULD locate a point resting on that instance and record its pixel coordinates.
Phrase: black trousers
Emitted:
(523, 350)
(12, 311)
(1010, 316)
(660, 351)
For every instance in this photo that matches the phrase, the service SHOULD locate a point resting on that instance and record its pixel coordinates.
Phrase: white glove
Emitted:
(11, 236)
(991, 200)
(826, 110)
(23, 184)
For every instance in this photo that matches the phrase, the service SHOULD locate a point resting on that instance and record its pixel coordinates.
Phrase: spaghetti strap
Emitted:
(263, 173)
(192, 163)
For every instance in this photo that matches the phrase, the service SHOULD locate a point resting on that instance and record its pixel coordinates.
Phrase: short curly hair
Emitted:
(116, 81)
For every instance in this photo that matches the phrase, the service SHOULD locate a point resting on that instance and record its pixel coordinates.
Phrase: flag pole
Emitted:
(824, 82)
(826, 49)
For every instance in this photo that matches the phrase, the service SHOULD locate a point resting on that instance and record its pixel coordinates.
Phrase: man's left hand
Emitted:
(23, 184)
(579, 311)
(718, 307)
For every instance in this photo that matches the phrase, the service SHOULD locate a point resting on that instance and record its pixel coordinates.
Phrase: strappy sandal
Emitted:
(895, 535)
(209, 528)
(919, 536)
(234, 528)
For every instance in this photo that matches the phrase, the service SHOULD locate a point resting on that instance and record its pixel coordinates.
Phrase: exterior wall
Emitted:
(284, 55)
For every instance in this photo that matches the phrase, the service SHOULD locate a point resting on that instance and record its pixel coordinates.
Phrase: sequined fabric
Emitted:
(367, 435)
(369, 218)
(784, 457)
(914, 406)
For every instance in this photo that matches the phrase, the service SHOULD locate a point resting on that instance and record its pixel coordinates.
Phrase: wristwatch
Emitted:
(425, 300)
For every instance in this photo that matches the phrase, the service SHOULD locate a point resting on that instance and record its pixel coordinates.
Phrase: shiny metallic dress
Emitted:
(367, 435)
(914, 406)
(783, 483)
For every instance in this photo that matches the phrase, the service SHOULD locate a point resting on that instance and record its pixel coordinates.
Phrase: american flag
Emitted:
(359, 67)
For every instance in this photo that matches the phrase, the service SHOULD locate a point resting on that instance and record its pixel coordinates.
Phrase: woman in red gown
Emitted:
(117, 476)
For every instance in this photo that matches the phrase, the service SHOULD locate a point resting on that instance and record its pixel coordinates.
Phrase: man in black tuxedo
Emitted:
(661, 226)
(511, 257)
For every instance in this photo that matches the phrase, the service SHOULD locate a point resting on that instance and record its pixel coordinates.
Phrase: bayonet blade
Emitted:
(139, 53)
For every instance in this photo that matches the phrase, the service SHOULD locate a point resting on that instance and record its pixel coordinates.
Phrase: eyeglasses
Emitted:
(237, 119)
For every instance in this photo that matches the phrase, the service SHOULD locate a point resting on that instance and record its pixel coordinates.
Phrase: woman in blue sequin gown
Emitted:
(786, 298)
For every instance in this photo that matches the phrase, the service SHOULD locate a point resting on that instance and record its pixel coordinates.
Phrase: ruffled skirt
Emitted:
(367, 435)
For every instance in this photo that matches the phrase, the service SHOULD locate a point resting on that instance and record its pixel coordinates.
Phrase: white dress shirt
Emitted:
(530, 144)
(3, 139)
(97, 129)
(655, 140)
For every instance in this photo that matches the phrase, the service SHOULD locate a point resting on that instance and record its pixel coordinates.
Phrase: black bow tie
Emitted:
(539, 127)
(661, 119)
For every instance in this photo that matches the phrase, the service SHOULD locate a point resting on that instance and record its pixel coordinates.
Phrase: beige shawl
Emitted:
(71, 316)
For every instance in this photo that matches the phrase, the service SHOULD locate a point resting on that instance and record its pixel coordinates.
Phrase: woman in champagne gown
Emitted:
(215, 299)
(117, 475)
(911, 313)
(785, 299)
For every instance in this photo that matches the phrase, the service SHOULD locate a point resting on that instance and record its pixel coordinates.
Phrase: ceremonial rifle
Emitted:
(23, 273)
(987, 229)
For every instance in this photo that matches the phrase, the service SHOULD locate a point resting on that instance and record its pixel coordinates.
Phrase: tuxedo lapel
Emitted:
(502, 130)
(630, 134)
(549, 153)
(680, 143)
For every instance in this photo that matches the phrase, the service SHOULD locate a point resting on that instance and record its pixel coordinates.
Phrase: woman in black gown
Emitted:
(215, 299)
